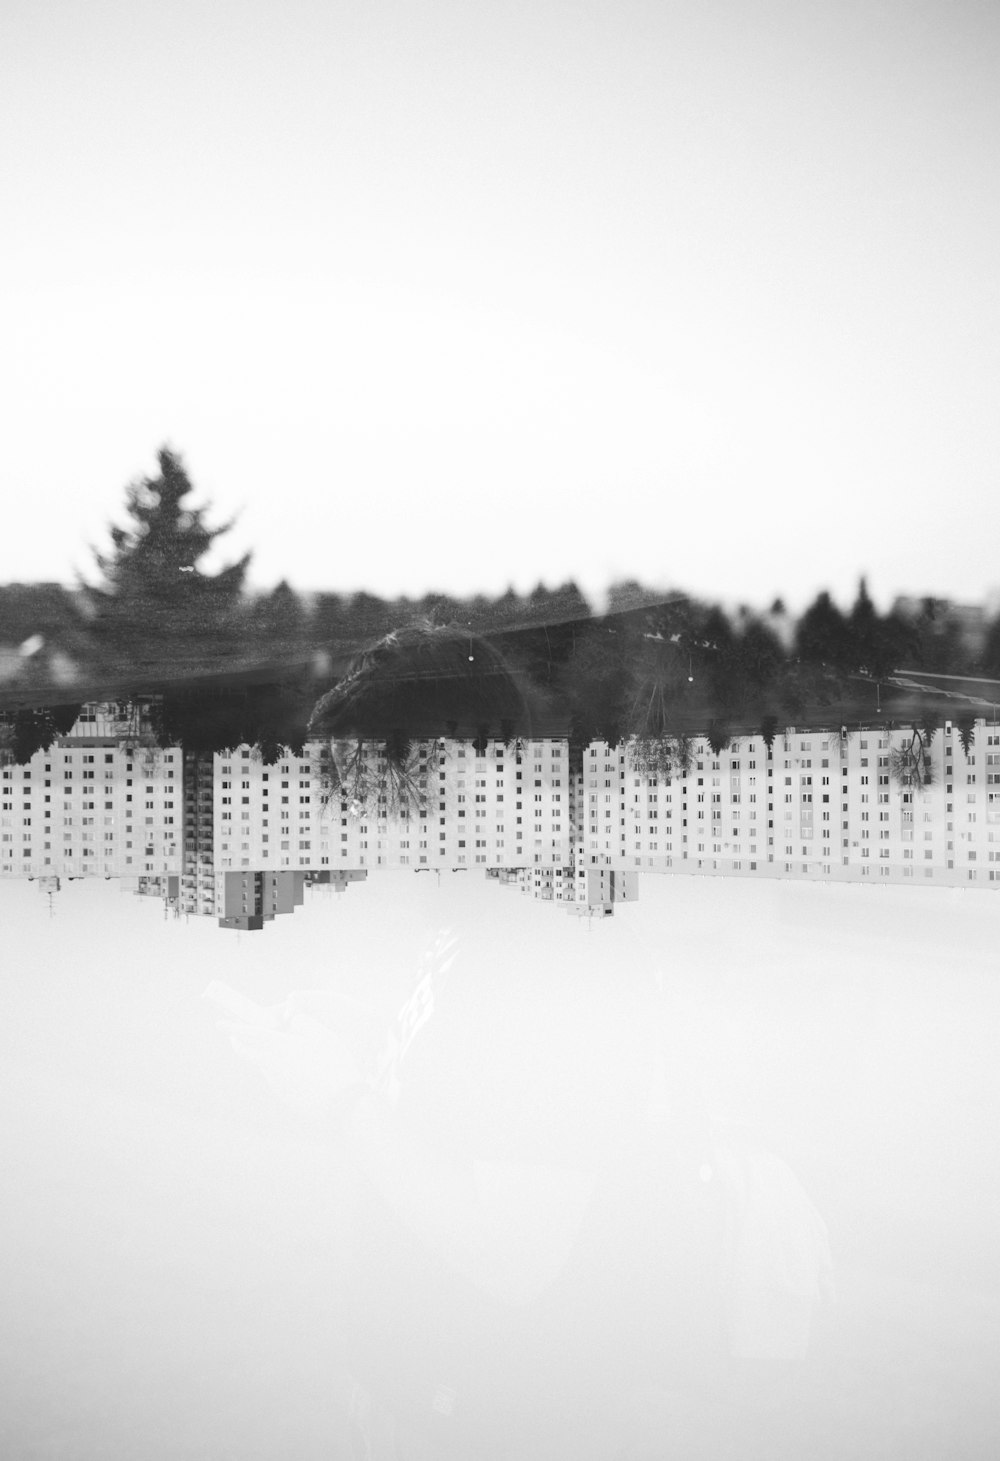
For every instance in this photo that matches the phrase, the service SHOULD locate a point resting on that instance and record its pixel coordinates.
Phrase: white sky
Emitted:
(443, 295)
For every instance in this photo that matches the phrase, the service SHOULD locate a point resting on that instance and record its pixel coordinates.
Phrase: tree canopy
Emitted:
(152, 566)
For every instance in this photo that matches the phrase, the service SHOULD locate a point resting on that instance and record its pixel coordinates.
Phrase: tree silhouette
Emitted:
(769, 729)
(862, 630)
(278, 620)
(650, 755)
(822, 634)
(30, 731)
(938, 636)
(64, 718)
(377, 779)
(718, 737)
(166, 535)
(967, 734)
(910, 763)
(152, 584)
(760, 654)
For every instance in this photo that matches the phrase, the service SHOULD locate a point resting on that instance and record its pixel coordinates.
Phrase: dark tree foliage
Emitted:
(397, 745)
(628, 595)
(716, 631)
(328, 622)
(46, 609)
(878, 645)
(278, 620)
(989, 659)
(941, 647)
(541, 653)
(759, 655)
(678, 620)
(33, 730)
(480, 613)
(270, 748)
(64, 717)
(862, 630)
(208, 718)
(153, 588)
(507, 609)
(822, 634)
(165, 537)
(543, 650)
(423, 678)
(719, 737)
(967, 733)
(792, 697)
(202, 719)
(610, 729)
(563, 604)
(442, 609)
(769, 729)
(594, 684)
(897, 645)
(368, 615)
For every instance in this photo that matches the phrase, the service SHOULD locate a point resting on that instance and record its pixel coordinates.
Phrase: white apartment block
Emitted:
(88, 807)
(550, 884)
(583, 888)
(817, 805)
(507, 807)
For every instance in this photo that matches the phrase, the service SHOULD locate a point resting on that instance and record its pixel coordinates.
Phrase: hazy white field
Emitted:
(170, 1248)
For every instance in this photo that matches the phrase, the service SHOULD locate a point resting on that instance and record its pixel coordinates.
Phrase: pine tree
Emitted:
(152, 568)
(822, 635)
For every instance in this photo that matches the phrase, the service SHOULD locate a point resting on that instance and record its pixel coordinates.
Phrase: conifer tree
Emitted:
(152, 565)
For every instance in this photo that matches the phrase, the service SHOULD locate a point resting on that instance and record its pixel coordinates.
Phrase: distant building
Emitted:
(198, 892)
(817, 805)
(249, 899)
(459, 809)
(549, 884)
(92, 805)
(581, 888)
(603, 887)
(336, 881)
(222, 835)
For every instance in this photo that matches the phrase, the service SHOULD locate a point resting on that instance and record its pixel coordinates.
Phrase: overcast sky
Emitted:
(444, 295)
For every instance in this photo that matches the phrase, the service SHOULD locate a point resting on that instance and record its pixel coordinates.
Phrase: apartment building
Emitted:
(249, 899)
(329, 881)
(815, 804)
(452, 808)
(197, 891)
(550, 884)
(583, 888)
(90, 807)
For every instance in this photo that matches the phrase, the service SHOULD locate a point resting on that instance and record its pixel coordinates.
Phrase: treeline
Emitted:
(653, 664)
(657, 673)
